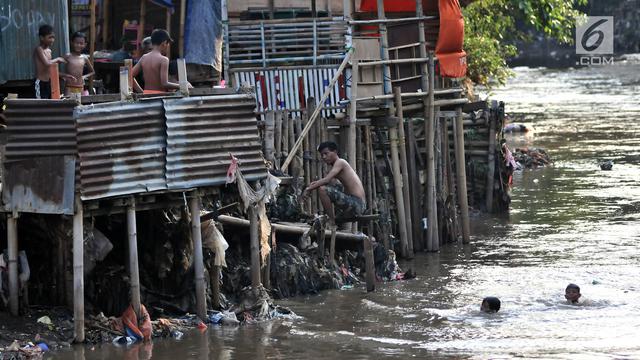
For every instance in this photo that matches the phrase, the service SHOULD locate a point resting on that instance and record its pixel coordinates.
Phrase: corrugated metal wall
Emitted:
(203, 131)
(19, 23)
(122, 148)
(126, 148)
(289, 89)
(39, 128)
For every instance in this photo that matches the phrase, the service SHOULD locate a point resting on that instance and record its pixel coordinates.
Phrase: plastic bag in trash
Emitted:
(123, 340)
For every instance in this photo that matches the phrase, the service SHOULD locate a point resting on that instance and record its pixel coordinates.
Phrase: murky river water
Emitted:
(568, 223)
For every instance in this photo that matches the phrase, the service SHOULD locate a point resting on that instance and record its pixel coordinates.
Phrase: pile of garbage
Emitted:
(531, 158)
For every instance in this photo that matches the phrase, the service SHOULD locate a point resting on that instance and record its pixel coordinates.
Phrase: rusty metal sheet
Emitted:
(122, 148)
(19, 24)
(203, 131)
(42, 185)
(39, 128)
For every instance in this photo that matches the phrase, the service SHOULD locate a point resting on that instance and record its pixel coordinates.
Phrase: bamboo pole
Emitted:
(432, 210)
(332, 244)
(405, 169)
(278, 136)
(92, 35)
(461, 176)
(491, 159)
(414, 188)
(141, 25)
(439, 181)
(384, 47)
(397, 184)
(370, 275)
(78, 272)
(183, 14)
(426, 87)
(391, 21)
(285, 136)
(269, 137)
(291, 126)
(288, 228)
(168, 27)
(105, 24)
(316, 112)
(351, 144)
(198, 264)
(134, 275)
(452, 189)
(254, 246)
(12, 249)
(225, 29)
(368, 171)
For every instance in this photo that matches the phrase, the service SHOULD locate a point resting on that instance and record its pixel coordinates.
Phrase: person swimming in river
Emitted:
(574, 297)
(490, 304)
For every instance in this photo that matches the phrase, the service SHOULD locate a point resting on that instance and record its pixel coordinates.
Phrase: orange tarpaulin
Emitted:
(397, 5)
(451, 56)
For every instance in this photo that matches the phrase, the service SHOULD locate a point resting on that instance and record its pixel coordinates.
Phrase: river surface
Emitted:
(569, 223)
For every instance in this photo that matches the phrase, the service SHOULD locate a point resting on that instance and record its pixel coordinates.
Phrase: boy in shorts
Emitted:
(42, 59)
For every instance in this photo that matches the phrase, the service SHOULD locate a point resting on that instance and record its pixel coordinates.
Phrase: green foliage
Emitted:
(490, 29)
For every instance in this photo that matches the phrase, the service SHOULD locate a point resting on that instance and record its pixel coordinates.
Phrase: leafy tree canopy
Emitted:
(490, 29)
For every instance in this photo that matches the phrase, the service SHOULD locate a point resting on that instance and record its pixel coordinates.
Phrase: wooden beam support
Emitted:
(198, 264)
(12, 249)
(134, 272)
(78, 271)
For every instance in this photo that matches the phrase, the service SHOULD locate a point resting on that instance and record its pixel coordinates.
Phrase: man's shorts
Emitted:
(345, 205)
(42, 89)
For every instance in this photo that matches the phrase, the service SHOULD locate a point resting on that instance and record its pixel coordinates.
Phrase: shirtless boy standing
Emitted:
(75, 65)
(155, 65)
(345, 198)
(42, 59)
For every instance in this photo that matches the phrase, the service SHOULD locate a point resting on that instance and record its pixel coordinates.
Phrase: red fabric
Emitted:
(396, 5)
(451, 56)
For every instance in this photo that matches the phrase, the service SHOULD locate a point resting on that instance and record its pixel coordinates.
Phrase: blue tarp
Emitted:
(203, 33)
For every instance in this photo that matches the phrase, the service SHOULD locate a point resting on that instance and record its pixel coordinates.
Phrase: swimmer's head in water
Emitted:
(572, 293)
(490, 304)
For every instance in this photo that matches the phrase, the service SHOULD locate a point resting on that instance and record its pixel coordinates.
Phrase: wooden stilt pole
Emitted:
(134, 275)
(214, 279)
(397, 184)
(432, 210)
(491, 159)
(183, 14)
(255, 246)
(425, 83)
(461, 175)
(78, 272)
(450, 184)
(198, 264)
(269, 136)
(332, 245)
(397, 92)
(12, 249)
(92, 36)
(141, 25)
(168, 28)
(351, 144)
(370, 275)
(414, 189)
